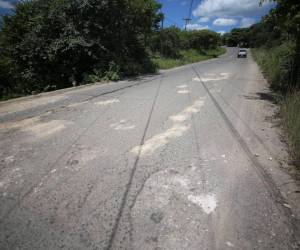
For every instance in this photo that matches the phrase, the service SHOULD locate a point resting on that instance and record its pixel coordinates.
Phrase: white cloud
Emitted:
(196, 26)
(6, 5)
(221, 32)
(229, 8)
(225, 22)
(203, 20)
(247, 22)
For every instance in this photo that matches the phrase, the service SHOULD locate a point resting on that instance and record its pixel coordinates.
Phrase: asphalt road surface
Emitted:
(177, 160)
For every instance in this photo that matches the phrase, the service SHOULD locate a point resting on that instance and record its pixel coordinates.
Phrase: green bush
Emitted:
(113, 72)
(96, 76)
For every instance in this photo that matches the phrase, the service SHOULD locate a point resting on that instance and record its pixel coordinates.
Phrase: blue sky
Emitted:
(217, 15)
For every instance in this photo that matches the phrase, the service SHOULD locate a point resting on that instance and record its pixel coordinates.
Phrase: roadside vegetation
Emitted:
(186, 57)
(275, 43)
(52, 44)
(290, 112)
(173, 47)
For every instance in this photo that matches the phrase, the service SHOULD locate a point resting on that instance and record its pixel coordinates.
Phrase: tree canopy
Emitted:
(55, 42)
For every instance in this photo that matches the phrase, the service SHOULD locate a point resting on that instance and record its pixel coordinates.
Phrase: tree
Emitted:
(167, 42)
(55, 42)
(204, 39)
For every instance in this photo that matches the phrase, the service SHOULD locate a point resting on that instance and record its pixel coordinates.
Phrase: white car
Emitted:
(242, 53)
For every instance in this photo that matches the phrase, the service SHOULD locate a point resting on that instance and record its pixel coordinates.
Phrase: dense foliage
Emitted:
(170, 41)
(54, 43)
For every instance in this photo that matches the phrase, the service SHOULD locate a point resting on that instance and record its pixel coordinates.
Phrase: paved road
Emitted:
(177, 160)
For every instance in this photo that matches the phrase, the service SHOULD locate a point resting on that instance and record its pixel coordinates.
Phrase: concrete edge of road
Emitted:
(54, 92)
(72, 89)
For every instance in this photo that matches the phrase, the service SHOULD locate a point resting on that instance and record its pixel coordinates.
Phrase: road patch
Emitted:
(178, 128)
(107, 102)
(122, 125)
(208, 203)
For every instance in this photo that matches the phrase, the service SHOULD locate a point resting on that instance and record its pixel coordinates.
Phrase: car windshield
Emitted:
(243, 50)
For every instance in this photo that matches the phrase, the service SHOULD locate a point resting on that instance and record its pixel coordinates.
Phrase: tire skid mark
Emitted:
(128, 186)
(156, 169)
(247, 126)
(267, 180)
(200, 163)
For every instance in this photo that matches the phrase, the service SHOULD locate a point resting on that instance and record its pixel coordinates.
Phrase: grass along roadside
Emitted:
(186, 57)
(275, 64)
(290, 113)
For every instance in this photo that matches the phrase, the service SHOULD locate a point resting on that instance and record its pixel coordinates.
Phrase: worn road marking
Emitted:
(122, 125)
(107, 102)
(182, 86)
(177, 130)
(183, 91)
(212, 77)
(228, 243)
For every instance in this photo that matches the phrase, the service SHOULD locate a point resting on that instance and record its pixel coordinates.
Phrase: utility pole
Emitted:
(187, 20)
(161, 16)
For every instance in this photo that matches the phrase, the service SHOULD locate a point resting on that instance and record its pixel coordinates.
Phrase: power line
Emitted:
(191, 7)
(188, 19)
